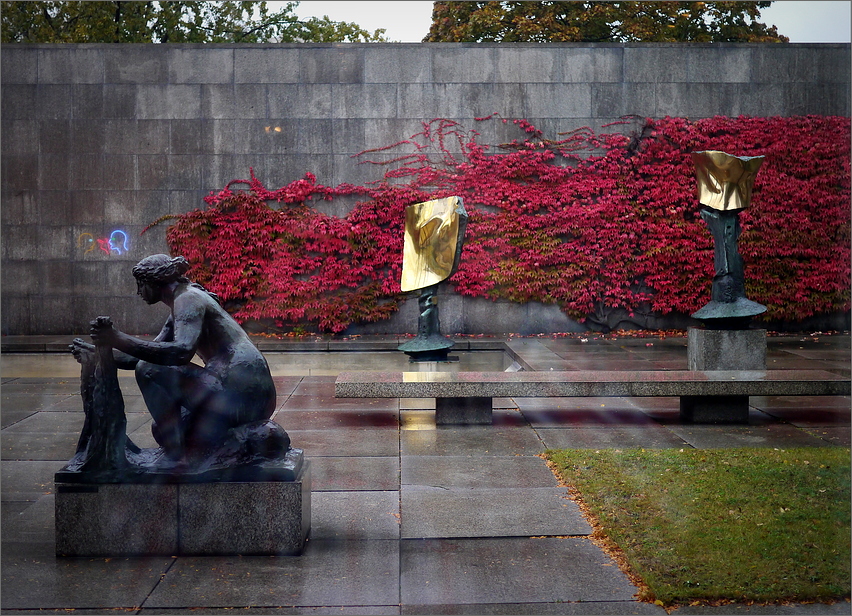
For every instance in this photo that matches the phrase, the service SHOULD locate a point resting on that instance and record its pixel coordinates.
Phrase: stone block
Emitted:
(714, 409)
(190, 137)
(311, 100)
(695, 99)
(223, 518)
(116, 519)
(463, 64)
(200, 64)
(16, 312)
(87, 101)
(713, 64)
(456, 411)
(337, 64)
(726, 349)
(259, 65)
(119, 100)
(374, 100)
(245, 518)
(523, 64)
(21, 172)
(120, 174)
(18, 101)
(87, 136)
(168, 102)
(136, 64)
(655, 63)
(404, 64)
(86, 172)
(619, 99)
(592, 64)
(70, 64)
(53, 102)
(151, 137)
(546, 100)
(20, 137)
(18, 66)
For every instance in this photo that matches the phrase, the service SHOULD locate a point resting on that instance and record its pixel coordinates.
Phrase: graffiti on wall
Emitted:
(118, 243)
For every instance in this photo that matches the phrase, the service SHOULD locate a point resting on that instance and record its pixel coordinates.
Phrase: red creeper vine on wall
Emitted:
(589, 221)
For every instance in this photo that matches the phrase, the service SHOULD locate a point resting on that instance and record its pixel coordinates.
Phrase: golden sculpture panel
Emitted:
(725, 181)
(432, 242)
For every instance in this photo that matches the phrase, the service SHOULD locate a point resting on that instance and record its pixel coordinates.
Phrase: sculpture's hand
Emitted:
(102, 331)
(82, 350)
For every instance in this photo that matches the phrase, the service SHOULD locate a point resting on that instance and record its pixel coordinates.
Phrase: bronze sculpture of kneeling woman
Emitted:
(195, 408)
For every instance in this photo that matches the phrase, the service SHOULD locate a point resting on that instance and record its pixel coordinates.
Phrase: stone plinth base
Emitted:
(714, 409)
(474, 410)
(158, 519)
(722, 349)
(726, 349)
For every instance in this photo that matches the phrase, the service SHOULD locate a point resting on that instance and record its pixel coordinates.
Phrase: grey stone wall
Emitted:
(101, 140)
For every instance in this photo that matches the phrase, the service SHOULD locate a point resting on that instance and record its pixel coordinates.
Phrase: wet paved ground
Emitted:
(407, 518)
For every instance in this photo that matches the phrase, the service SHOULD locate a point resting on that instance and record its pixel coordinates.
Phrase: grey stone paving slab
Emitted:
(337, 420)
(436, 513)
(580, 608)
(835, 435)
(358, 573)
(809, 417)
(602, 416)
(771, 435)
(587, 437)
(33, 577)
(285, 385)
(470, 441)
(520, 570)
(11, 416)
(356, 473)
(344, 443)
(352, 516)
(476, 472)
(29, 522)
(19, 402)
(68, 387)
(344, 610)
(27, 480)
(329, 402)
(59, 446)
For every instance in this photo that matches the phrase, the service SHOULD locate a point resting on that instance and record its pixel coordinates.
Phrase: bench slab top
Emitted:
(366, 384)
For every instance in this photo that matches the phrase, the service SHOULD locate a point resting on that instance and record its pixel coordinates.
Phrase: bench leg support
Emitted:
(714, 409)
(449, 411)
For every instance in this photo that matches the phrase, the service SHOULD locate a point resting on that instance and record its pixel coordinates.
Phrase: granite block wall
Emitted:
(98, 141)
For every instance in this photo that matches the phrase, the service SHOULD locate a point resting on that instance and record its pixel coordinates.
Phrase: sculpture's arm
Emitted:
(80, 348)
(180, 340)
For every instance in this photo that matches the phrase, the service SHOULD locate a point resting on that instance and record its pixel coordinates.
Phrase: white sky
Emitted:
(408, 21)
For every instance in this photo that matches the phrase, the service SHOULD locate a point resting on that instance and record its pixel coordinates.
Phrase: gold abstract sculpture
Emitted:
(725, 185)
(434, 235)
(725, 181)
(431, 239)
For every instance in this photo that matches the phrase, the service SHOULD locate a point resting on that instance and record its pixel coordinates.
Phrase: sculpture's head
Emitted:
(154, 272)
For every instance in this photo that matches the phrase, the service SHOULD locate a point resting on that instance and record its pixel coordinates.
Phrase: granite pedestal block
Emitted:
(726, 349)
(156, 519)
(455, 411)
(722, 349)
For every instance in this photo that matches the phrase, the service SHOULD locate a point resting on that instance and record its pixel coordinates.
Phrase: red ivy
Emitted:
(589, 221)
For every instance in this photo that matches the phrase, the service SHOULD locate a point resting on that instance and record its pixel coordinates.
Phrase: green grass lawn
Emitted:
(757, 525)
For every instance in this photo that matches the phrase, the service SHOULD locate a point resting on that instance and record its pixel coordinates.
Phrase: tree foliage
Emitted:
(169, 22)
(601, 22)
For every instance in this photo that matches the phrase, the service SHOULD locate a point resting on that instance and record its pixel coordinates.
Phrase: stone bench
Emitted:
(705, 396)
